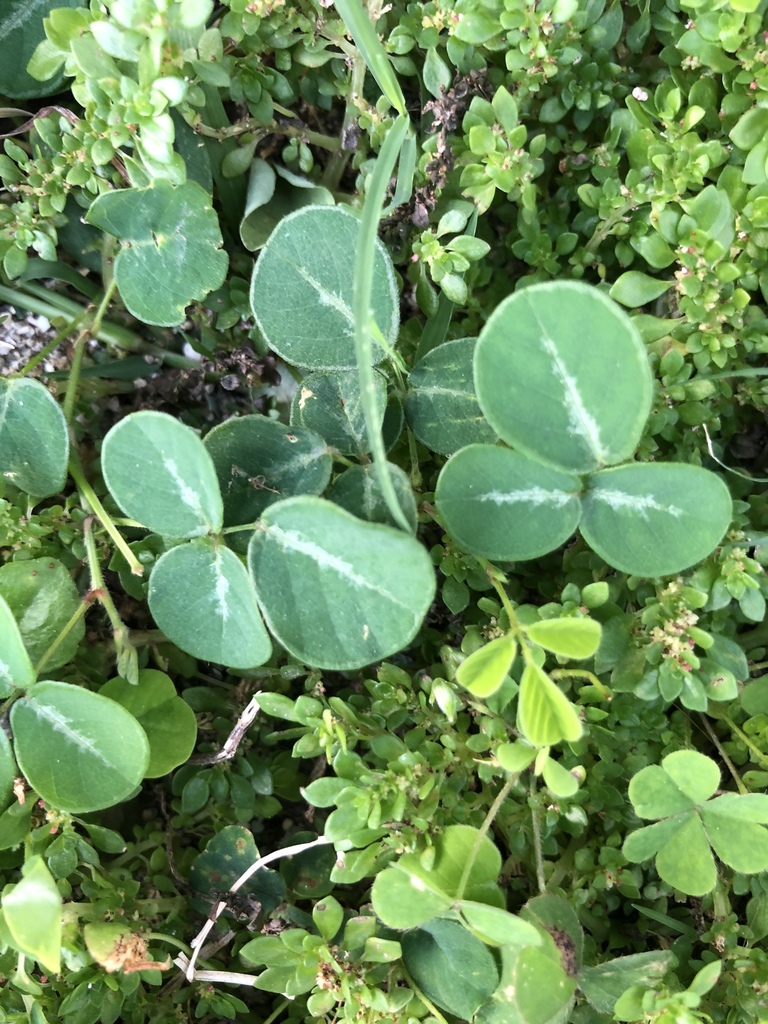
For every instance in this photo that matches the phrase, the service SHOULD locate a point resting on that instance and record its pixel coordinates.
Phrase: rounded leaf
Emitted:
(336, 592)
(171, 252)
(22, 31)
(568, 637)
(32, 914)
(404, 899)
(331, 405)
(357, 490)
(686, 861)
(441, 406)
(34, 440)
(302, 286)
(80, 751)
(160, 473)
(544, 713)
(258, 461)
(497, 925)
(655, 519)
(15, 666)
(168, 721)
(202, 598)
(561, 373)
(500, 504)
(483, 672)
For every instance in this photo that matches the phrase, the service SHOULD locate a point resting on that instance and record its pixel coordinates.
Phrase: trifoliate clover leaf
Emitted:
(170, 253)
(690, 826)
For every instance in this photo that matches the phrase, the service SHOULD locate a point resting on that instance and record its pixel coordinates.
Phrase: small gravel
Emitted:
(22, 336)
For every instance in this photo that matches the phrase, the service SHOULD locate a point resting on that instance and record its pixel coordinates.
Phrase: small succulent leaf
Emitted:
(694, 774)
(441, 406)
(404, 899)
(32, 913)
(218, 619)
(633, 288)
(452, 968)
(357, 491)
(568, 637)
(34, 439)
(301, 290)
(331, 405)
(483, 672)
(15, 666)
(168, 721)
(496, 925)
(706, 978)
(502, 505)
(171, 251)
(742, 845)
(646, 842)
(549, 394)
(160, 473)
(686, 861)
(655, 519)
(604, 983)
(258, 461)
(79, 750)
(654, 795)
(338, 593)
(42, 598)
(545, 715)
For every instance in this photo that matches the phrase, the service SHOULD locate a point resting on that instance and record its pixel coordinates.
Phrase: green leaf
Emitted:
(454, 848)
(330, 404)
(302, 289)
(42, 598)
(558, 779)
(497, 925)
(228, 854)
(483, 672)
(560, 923)
(742, 845)
(545, 715)
(655, 519)
(32, 913)
(544, 391)
(160, 473)
(441, 406)
(633, 288)
(403, 898)
(34, 440)
(15, 666)
(170, 253)
(502, 505)
(258, 461)
(336, 592)
(533, 989)
(8, 770)
(686, 861)
(750, 129)
(357, 490)
(606, 982)
(203, 599)
(694, 774)
(646, 842)
(569, 637)
(168, 721)
(21, 33)
(450, 966)
(80, 751)
(435, 74)
(273, 193)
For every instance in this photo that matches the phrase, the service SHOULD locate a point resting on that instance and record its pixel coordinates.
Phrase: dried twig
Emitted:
(233, 740)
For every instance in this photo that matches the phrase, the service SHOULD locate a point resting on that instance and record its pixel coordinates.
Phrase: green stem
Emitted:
(277, 1011)
(726, 760)
(89, 498)
(427, 1002)
(748, 743)
(98, 586)
(77, 359)
(482, 832)
(163, 937)
(363, 285)
(536, 829)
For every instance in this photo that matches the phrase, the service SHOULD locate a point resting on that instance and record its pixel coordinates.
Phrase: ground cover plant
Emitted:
(382, 596)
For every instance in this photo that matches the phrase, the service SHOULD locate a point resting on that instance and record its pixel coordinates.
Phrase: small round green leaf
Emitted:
(544, 713)
(569, 637)
(336, 592)
(502, 505)
(80, 751)
(160, 473)
(330, 404)
(483, 672)
(202, 598)
(655, 519)
(357, 490)
(451, 967)
(15, 666)
(258, 461)
(171, 252)
(301, 290)
(42, 598)
(168, 721)
(34, 440)
(441, 406)
(561, 373)
(32, 912)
